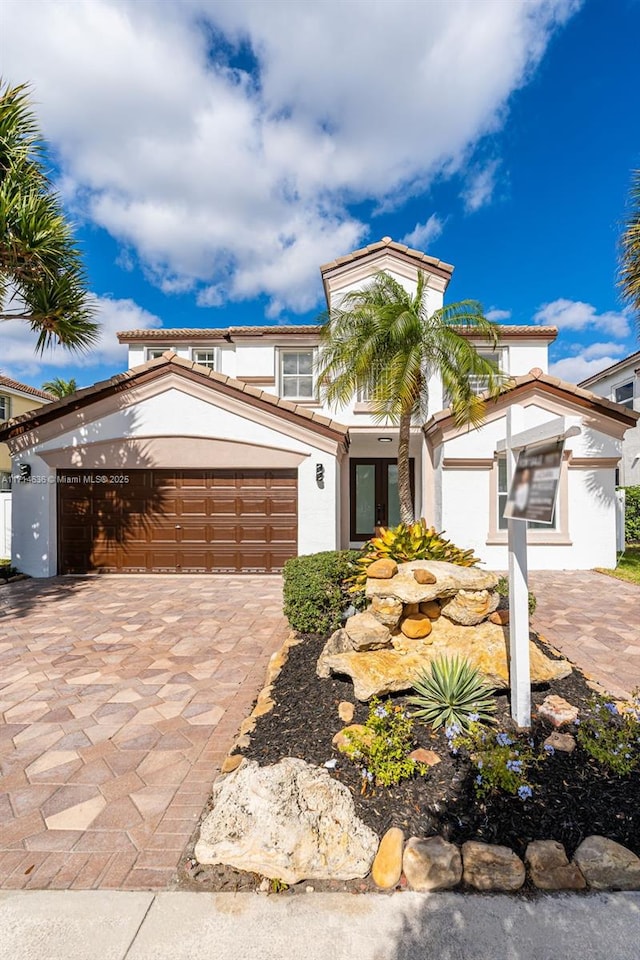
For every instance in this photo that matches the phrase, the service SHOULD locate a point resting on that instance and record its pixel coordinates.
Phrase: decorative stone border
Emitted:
(433, 864)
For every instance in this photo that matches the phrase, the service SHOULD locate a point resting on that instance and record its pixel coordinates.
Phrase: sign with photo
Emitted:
(534, 488)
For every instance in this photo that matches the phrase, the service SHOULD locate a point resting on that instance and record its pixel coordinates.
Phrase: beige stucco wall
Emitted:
(19, 404)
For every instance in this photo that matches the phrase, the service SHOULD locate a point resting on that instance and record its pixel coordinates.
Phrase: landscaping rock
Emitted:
(382, 569)
(549, 868)
(417, 626)
(608, 865)
(431, 608)
(491, 867)
(557, 710)
(429, 757)
(470, 607)
(563, 742)
(387, 866)
(431, 864)
(229, 764)
(387, 610)
(500, 617)
(338, 642)
(341, 740)
(366, 632)
(424, 576)
(378, 672)
(346, 711)
(289, 821)
(449, 579)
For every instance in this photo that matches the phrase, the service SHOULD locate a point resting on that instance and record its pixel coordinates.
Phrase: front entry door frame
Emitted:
(381, 495)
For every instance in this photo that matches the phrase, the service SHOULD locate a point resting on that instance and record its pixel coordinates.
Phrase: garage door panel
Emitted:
(178, 521)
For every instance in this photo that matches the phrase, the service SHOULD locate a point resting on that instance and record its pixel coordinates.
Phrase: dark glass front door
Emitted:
(374, 499)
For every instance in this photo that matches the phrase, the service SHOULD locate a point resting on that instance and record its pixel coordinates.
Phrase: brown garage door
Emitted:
(176, 521)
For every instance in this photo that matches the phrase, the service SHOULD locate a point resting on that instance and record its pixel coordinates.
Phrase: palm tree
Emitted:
(42, 280)
(60, 388)
(630, 251)
(384, 340)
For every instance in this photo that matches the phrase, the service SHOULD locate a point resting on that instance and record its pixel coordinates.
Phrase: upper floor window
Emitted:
(624, 394)
(365, 394)
(480, 384)
(296, 375)
(205, 357)
(154, 352)
(5, 408)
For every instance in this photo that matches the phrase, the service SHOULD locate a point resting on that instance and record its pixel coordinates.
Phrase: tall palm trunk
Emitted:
(404, 472)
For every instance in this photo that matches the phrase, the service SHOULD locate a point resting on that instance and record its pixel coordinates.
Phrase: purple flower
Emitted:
(525, 792)
(380, 712)
(503, 740)
(474, 717)
(478, 779)
(611, 707)
(576, 722)
(549, 749)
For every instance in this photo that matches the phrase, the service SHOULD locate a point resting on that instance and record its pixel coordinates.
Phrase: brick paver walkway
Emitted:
(594, 620)
(119, 698)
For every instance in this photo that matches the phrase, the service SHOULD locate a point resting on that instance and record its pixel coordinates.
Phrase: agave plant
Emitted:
(409, 541)
(452, 692)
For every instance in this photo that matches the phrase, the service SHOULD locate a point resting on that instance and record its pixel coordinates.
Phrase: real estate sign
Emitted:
(534, 488)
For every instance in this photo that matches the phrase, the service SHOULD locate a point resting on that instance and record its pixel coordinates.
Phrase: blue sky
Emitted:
(214, 154)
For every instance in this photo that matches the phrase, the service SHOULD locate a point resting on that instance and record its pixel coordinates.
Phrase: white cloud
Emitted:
(238, 177)
(497, 315)
(576, 315)
(423, 233)
(480, 187)
(18, 342)
(595, 351)
(578, 368)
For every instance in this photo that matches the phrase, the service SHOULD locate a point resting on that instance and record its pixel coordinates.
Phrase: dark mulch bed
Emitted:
(573, 796)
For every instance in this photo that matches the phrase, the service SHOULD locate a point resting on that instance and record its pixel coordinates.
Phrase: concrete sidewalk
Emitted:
(85, 925)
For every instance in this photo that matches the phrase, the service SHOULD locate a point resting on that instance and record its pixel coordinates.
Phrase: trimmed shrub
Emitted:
(315, 597)
(632, 515)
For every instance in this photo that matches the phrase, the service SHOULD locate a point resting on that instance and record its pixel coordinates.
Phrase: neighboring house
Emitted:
(213, 453)
(15, 399)
(621, 382)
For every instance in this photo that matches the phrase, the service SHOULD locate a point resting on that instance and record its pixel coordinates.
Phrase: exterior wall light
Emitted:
(319, 472)
(385, 439)
(24, 470)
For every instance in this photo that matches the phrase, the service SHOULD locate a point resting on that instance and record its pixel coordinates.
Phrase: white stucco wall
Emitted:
(171, 412)
(606, 387)
(589, 509)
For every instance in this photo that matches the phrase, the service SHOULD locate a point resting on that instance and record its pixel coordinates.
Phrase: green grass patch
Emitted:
(628, 565)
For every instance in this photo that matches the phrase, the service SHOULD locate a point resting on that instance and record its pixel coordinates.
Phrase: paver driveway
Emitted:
(119, 697)
(594, 620)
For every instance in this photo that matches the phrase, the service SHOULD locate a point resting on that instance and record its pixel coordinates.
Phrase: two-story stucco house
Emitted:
(621, 382)
(214, 453)
(15, 399)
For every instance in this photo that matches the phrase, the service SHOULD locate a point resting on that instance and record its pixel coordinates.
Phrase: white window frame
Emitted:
(502, 354)
(628, 403)
(284, 352)
(153, 353)
(214, 364)
(5, 411)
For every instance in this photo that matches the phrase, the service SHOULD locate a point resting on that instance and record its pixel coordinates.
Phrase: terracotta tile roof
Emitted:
(387, 244)
(172, 336)
(24, 388)
(123, 381)
(584, 397)
(619, 365)
(187, 335)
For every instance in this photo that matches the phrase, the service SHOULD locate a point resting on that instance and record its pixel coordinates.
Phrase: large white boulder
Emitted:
(289, 821)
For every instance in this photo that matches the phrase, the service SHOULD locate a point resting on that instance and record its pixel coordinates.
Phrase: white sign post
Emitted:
(520, 667)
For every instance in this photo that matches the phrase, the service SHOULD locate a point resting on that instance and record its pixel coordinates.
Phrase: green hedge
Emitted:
(315, 597)
(632, 515)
